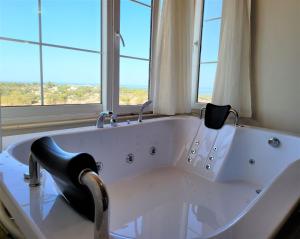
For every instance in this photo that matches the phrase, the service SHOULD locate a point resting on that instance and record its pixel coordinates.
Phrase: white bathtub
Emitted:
(199, 183)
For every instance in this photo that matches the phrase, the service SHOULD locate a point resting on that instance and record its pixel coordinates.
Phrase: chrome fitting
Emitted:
(34, 172)
(100, 196)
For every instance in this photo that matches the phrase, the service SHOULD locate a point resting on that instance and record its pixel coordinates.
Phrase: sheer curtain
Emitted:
(172, 58)
(232, 84)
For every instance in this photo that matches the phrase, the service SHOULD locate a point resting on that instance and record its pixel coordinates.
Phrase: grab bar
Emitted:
(236, 116)
(100, 196)
(201, 112)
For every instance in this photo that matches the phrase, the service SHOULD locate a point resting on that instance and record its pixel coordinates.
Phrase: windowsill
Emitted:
(17, 129)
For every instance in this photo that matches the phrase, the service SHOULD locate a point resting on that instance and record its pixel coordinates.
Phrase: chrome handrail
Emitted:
(34, 172)
(236, 115)
(201, 112)
(101, 202)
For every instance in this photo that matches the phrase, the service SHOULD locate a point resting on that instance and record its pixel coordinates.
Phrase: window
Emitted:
(50, 52)
(210, 37)
(69, 54)
(134, 54)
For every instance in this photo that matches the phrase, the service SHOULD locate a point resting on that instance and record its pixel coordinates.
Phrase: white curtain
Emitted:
(232, 84)
(172, 58)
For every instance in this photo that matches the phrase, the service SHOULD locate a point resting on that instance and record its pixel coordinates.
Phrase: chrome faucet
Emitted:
(113, 120)
(102, 117)
(147, 103)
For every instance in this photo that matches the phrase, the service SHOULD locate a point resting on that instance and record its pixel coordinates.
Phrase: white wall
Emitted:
(276, 62)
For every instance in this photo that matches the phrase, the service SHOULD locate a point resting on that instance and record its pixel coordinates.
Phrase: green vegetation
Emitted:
(204, 98)
(129, 96)
(70, 94)
(20, 94)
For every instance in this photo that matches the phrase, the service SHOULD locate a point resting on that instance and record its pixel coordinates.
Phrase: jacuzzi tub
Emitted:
(167, 178)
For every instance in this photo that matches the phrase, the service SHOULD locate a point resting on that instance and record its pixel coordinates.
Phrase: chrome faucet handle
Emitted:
(101, 118)
(113, 120)
(147, 103)
(106, 113)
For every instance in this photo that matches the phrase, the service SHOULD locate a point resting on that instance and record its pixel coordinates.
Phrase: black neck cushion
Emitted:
(216, 115)
(65, 168)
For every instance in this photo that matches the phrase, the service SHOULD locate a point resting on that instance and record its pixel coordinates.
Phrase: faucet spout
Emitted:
(102, 117)
(113, 120)
(146, 104)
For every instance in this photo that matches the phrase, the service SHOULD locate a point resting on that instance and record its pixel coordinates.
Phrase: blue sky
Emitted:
(210, 45)
(76, 23)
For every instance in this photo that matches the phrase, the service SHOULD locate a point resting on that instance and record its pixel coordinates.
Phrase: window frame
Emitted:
(115, 106)
(198, 30)
(26, 114)
(109, 53)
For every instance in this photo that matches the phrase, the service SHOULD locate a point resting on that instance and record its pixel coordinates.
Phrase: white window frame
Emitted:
(198, 26)
(199, 4)
(46, 113)
(116, 107)
(110, 13)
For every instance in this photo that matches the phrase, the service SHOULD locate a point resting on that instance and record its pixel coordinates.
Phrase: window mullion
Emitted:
(116, 56)
(198, 26)
(41, 51)
(207, 68)
(107, 50)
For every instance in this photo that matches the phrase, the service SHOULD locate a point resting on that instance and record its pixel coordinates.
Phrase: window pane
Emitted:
(74, 23)
(19, 19)
(134, 81)
(19, 74)
(135, 28)
(212, 9)
(206, 82)
(210, 40)
(71, 77)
